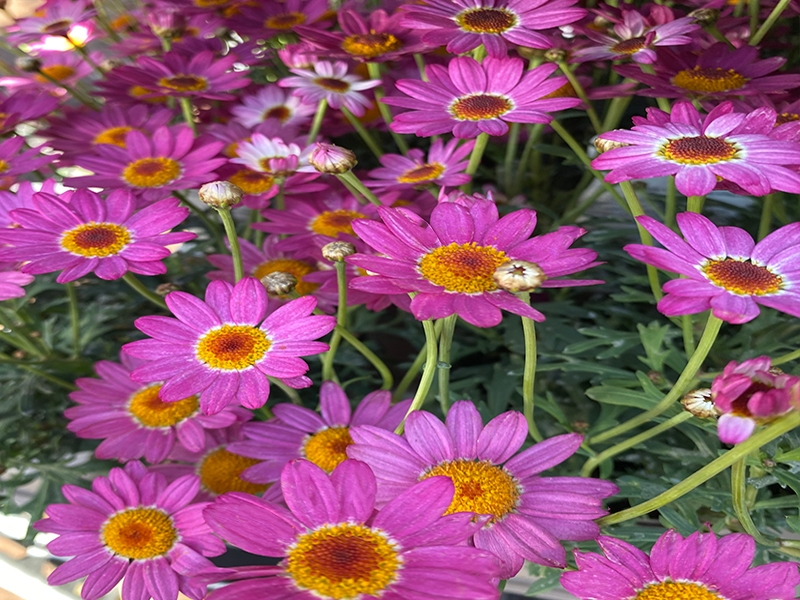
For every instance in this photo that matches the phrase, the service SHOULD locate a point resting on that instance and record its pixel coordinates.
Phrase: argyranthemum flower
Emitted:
(330, 82)
(63, 67)
(152, 166)
(463, 25)
(271, 102)
(469, 97)
(334, 545)
(23, 198)
(700, 566)
(450, 265)
(749, 393)
(725, 270)
(108, 237)
(528, 514)
(133, 527)
(14, 163)
(224, 348)
(55, 19)
(444, 167)
(133, 421)
(262, 20)
(24, 106)
(273, 156)
(298, 432)
(702, 151)
(12, 280)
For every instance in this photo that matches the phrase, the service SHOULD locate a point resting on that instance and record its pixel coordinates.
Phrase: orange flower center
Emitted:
(486, 20)
(677, 590)
(332, 84)
(370, 45)
(699, 150)
(232, 347)
(252, 182)
(152, 412)
(96, 239)
(462, 268)
(333, 222)
(57, 72)
(327, 448)
(298, 268)
(709, 81)
(139, 533)
(114, 136)
(4, 166)
(742, 277)
(151, 172)
(221, 471)
(786, 118)
(565, 91)
(422, 174)
(631, 46)
(278, 112)
(285, 21)
(184, 83)
(477, 107)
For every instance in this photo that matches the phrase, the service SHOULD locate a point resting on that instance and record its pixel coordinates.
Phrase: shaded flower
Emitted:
(64, 67)
(335, 546)
(724, 269)
(55, 19)
(468, 97)
(445, 166)
(224, 348)
(90, 234)
(14, 163)
(12, 280)
(528, 514)
(263, 20)
(273, 156)
(699, 566)
(23, 198)
(24, 106)
(271, 102)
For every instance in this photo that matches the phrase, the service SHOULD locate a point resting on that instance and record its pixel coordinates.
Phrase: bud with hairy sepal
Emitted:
(519, 276)
(337, 251)
(220, 194)
(332, 159)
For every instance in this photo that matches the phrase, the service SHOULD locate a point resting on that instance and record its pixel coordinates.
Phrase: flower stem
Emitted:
(784, 358)
(353, 181)
(475, 159)
(765, 224)
(412, 372)
(670, 203)
(316, 124)
(710, 332)
(380, 366)
(576, 85)
(529, 373)
(74, 318)
(636, 211)
(443, 363)
(328, 372)
(370, 141)
(428, 372)
(292, 394)
(687, 328)
(511, 152)
(419, 59)
(783, 425)
(233, 240)
(374, 70)
(615, 111)
(188, 113)
(739, 499)
(663, 103)
(138, 286)
(211, 227)
(695, 204)
(769, 22)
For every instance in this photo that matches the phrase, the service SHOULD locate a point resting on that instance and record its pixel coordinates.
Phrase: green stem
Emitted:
(591, 464)
(419, 59)
(316, 124)
(529, 373)
(370, 141)
(374, 70)
(534, 134)
(20, 341)
(739, 499)
(753, 8)
(636, 211)
(687, 328)
(85, 55)
(428, 372)
(74, 318)
(354, 182)
(188, 113)
(211, 227)
(710, 332)
(576, 85)
(328, 372)
(784, 358)
(769, 22)
(695, 204)
(443, 364)
(765, 223)
(671, 203)
(233, 241)
(783, 425)
(663, 103)
(380, 366)
(475, 159)
(137, 285)
(615, 111)
(79, 95)
(291, 393)
(511, 152)
(410, 375)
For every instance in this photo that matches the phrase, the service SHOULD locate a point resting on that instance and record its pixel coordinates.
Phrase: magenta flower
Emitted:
(528, 514)
(335, 546)
(451, 263)
(724, 269)
(23, 198)
(24, 106)
(11, 281)
(749, 393)
(133, 421)
(262, 20)
(699, 566)
(444, 166)
(56, 19)
(463, 25)
(132, 525)
(63, 67)
(702, 151)
(273, 156)
(469, 97)
(330, 81)
(152, 166)
(271, 102)
(224, 348)
(298, 432)
(14, 163)
(90, 234)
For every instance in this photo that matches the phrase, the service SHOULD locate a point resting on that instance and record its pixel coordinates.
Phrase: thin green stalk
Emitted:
(141, 288)
(85, 55)
(102, 18)
(687, 328)
(479, 53)
(328, 372)
(74, 318)
(188, 113)
(233, 241)
(316, 124)
(354, 182)
(616, 109)
(636, 211)
(475, 159)
(511, 153)
(419, 59)
(365, 135)
(380, 366)
(374, 70)
(769, 22)
(784, 358)
(571, 215)
(671, 203)
(782, 425)
(663, 103)
(79, 95)
(292, 394)
(443, 364)
(410, 375)
(695, 204)
(591, 464)
(534, 133)
(765, 223)
(739, 499)
(212, 228)
(428, 372)
(20, 341)
(529, 374)
(680, 387)
(576, 85)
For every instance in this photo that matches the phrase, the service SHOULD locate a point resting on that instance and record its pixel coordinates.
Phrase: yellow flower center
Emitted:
(477, 107)
(96, 239)
(709, 81)
(334, 222)
(786, 117)
(151, 411)
(220, 471)
(252, 182)
(481, 487)
(114, 136)
(742, 277)
(184, 83)
(4, 166)
(631, 46)
(463, 268)
(57, 72)
(232, 347)
(565, 91)
(285, 21)
(277, 112)
(677, 590)
(422, 174)
(298, 268)
(332, 84)
(139, 92)
(486, 20)
(370, 45)
(344, 561)
(699, 150)
(151, 172)
(327, 448)
(139, 533)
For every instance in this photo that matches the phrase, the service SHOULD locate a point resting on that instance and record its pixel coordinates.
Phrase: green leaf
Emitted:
(652, 337)
(620, 396)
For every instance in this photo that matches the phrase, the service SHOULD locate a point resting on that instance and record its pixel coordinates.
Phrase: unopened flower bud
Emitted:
(604, 145)
(700, 404)
(328, 158)
(220, 194)
(600, 22)
(279, 283)
(165, 288)
(556, 55)
(166, 22)
(336, 251)
(519, 276)
(704, 16)
(28, 64)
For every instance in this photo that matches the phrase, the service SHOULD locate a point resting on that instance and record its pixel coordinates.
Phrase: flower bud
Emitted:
(604, 145)
(28, 64)
(556, 55)
(336, 251)
(704, 16)
(519, 276)
(328, 158)
(165, 288)
(279, 283)
(220, 194)
(700, 404)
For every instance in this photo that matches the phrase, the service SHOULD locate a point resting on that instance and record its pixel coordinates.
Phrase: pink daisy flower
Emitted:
(271, 102)
(330, 81)
(264, 20)
(469, 97)
(55, 19)
(11, 281)
(65, 67)
(724, 269)
(335, 546)
(298, 432)
(444, 167)
(224, 348)
(133, 527)
(463, 25)
(152, 166)
(450, 264)
(749, 393)
(702, 151)
(24, 106)
(699, 566)
(528, 514)
(90, 234)
(273, 156)
(23, 198)
(133, 421)
(14, 163)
